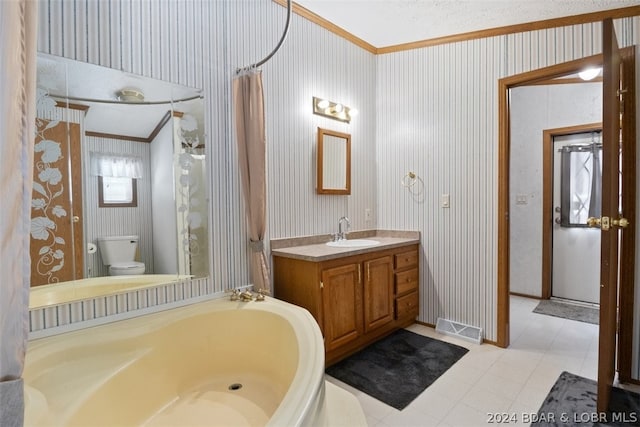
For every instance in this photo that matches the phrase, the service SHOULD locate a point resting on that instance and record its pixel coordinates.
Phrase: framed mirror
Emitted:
(103, 133)
(333, 162)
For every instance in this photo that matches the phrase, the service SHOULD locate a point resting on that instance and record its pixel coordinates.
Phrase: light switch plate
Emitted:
(444, 200)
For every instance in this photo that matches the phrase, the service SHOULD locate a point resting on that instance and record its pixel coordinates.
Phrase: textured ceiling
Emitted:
(390, 22)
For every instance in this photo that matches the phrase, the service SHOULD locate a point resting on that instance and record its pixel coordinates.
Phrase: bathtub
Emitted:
(75, 290)
(213, 363)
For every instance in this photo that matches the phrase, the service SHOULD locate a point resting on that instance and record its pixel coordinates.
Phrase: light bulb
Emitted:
(338, 108)
(353, 112)
(323, 103)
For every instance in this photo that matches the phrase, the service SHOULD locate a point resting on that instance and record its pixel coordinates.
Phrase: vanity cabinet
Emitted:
(341, 305)
(356, 299)
(406, 285)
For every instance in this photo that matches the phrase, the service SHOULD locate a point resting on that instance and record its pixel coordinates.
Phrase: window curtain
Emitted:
(116, 165)
(18, 34)
(581, 184)
(249, 117)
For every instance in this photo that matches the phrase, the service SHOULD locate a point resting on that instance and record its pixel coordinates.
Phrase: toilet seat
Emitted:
(126, 268)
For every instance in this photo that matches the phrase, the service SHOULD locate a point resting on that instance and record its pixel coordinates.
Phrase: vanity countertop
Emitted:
(314, 248)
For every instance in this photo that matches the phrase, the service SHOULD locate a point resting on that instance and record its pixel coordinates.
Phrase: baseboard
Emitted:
(518, 294)
(429, 325)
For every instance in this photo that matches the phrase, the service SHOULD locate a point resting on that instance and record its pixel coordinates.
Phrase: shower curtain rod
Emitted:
(284, 36)
(115, 101)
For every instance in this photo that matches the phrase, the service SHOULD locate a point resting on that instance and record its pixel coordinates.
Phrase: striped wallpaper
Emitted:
(431, 111)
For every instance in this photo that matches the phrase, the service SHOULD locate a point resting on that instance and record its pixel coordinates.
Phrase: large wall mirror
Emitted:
(120, 197)
(333, 162)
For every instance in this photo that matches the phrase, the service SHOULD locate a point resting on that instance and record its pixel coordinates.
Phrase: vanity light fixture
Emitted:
(333, 110)
(589, 73)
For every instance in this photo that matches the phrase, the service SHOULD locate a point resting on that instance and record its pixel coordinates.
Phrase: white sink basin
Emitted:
(353, 243)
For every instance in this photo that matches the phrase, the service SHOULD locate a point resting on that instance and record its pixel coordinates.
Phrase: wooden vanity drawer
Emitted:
(407, 306)
(406, 259)
(406, 281)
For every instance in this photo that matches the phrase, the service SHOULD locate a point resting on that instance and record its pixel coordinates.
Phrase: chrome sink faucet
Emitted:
(341, 235)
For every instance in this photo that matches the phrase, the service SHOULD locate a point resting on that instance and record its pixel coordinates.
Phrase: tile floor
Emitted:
(491, 380)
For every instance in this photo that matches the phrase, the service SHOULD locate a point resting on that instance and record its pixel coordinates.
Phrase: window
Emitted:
(117, 179)
(117, 192)
(581, 184)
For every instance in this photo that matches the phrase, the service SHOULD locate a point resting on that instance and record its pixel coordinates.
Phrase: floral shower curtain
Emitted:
(18, 34)
(249, 116)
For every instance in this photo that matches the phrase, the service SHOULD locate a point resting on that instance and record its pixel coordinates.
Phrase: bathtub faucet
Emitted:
(341, 235)
(246, 296)
(237, 294)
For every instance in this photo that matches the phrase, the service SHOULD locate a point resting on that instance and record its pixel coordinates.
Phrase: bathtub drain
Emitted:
(235, 386)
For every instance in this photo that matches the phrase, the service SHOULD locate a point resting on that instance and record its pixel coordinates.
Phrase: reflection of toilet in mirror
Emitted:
(118, 252)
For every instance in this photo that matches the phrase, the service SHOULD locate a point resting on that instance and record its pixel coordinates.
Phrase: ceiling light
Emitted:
(589, 73)
(130, 95)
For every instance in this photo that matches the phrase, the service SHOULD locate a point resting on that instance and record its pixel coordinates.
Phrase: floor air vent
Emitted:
(460, 330)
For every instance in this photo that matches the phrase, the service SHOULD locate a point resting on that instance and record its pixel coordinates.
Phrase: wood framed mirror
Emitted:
(334, 162)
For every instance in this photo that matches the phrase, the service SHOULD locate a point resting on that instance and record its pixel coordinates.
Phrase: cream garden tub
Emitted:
(219, 362)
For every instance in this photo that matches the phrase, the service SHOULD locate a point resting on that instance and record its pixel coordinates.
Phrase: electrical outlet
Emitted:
(444, 201)
(521, 199)
(367, 215)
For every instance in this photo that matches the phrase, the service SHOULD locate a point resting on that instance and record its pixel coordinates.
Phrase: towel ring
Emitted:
(408, 180)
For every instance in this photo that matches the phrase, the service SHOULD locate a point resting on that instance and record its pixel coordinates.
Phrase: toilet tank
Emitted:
(115, 249)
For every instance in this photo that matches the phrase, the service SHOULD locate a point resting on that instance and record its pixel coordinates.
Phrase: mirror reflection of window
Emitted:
(117, 191)
(117, 176)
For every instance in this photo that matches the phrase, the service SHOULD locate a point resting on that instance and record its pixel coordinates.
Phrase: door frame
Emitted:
(628, 244)
(504, 143)
(547, 195)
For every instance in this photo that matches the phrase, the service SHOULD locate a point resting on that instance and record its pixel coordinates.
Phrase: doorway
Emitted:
(576, 169)
(627, 244)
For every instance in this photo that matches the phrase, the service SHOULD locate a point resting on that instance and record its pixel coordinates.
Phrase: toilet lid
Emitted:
(127, 265)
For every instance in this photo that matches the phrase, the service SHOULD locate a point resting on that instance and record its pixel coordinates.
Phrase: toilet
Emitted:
(118, 252)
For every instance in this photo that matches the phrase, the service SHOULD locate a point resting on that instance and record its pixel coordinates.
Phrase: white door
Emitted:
(576, 248)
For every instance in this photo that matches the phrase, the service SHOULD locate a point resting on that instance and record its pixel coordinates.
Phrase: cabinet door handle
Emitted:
(359, 275)
(368, 272)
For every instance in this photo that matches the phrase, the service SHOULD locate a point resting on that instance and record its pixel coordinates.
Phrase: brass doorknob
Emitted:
(593, 222)
(622, 222)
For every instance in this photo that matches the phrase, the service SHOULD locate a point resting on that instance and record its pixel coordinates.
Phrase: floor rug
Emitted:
(396, 369)
(572, 402)
(568, 311)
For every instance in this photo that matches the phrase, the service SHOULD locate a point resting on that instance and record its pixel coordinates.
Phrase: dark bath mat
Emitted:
(568, 311)
(396, 369)
(572, 402)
